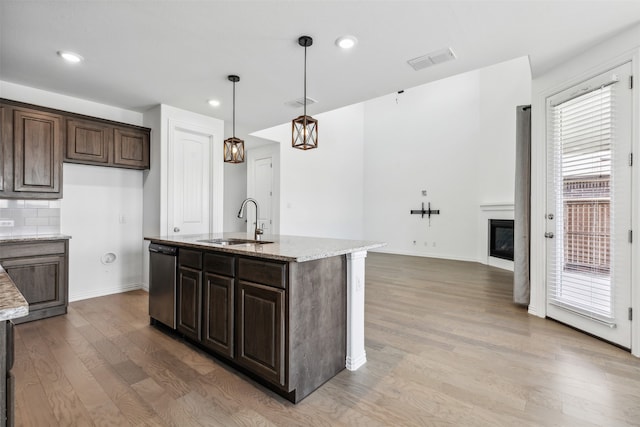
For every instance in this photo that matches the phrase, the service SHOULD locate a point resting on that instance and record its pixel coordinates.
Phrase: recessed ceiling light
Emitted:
(70, 56)
(346, 42)
(214, 102)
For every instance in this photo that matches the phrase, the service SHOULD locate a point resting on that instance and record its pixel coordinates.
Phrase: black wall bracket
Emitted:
(428, 212)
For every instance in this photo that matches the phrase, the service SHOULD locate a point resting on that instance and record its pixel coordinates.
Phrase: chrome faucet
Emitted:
(258, 232)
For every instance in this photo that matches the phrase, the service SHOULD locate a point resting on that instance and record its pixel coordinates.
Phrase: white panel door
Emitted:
(189, 182)
(263, 188)
(589, 206)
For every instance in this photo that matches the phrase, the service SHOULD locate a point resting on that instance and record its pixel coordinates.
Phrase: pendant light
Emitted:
(234, 147)
(304, 129)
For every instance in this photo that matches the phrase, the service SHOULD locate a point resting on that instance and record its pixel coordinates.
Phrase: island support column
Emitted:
(356, 355)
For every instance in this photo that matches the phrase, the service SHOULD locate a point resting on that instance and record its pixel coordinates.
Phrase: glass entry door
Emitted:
(589, 206)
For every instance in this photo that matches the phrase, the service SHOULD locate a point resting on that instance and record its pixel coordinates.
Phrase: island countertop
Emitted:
(282, 248)
(12, 303)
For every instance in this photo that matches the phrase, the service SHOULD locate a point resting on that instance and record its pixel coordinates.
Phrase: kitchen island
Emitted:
(289, 312)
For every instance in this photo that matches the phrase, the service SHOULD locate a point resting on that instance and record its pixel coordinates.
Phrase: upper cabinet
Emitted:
(34, 141)
(95, 142)
(88, 141)
(131, 148)
(31, 153)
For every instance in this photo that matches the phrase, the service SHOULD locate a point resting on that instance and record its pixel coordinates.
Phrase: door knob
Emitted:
(550, 216)
(176, 229)
(548, 235)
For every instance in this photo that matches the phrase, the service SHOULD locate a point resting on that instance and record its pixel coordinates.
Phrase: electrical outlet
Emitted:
(426, 243)
(414, 242)
(434, 244)
(6, 222)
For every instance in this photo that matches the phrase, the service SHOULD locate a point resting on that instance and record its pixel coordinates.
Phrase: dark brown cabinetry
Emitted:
(282, 322)
(189, 294)
(7, 386)
(131, 148)
(219, 304)
(39, 270)
(93, 142)
(88, 141)
(31, 153)
(261, 329)
(261, 318)
(34, 142)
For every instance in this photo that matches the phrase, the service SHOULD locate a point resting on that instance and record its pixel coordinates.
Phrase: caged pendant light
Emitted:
(234, 147)
(304, 128)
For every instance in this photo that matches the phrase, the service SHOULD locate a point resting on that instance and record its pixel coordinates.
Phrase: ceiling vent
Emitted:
(432, 58)
(300, 102)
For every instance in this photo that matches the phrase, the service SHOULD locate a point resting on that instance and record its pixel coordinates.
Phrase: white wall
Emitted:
(623, 47)
(102, 211)
(94, 200)
(321, 189)
(454, 138)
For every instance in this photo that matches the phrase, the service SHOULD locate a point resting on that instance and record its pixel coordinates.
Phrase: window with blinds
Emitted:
(582, 130)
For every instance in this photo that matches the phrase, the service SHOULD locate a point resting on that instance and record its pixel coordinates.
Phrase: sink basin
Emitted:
(232, 241)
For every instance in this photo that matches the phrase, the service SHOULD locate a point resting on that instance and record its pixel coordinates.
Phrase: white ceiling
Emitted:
(139, 53)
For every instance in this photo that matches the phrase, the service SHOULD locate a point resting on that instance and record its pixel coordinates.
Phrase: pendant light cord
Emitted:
(234, 109)
(305, 82)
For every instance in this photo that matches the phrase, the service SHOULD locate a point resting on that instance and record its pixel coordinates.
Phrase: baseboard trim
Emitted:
(424, 255)
(78, 296)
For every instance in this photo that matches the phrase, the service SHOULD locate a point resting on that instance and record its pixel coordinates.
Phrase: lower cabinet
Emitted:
(261, 330)
(282, 322)
(39, 270)
(218, 312)
(189, 295)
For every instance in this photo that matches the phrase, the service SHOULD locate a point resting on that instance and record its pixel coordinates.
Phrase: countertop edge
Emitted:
(257, 250)
(12, 302)
(33, 238)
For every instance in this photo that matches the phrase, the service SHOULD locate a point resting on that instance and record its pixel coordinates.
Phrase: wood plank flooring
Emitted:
(445, 347)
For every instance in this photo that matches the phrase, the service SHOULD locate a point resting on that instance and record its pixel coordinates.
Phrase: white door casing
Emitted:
(193, 178)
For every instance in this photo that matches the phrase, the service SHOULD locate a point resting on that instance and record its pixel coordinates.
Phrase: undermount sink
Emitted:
(232, 241)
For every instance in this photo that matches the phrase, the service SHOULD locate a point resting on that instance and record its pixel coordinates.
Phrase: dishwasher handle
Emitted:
(163, 249)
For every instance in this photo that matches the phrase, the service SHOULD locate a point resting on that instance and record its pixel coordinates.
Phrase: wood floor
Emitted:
(445, 346)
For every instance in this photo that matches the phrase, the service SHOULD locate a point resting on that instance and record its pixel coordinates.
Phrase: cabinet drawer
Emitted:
(18, 250)
(219, 264)
(189, 258)
(265, 272)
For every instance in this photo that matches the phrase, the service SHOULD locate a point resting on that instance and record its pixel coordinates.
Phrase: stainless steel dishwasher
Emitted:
(162, 284)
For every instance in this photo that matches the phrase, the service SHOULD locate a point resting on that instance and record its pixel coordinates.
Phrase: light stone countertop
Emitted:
(12, 303)
(282, 248)
(33, 238)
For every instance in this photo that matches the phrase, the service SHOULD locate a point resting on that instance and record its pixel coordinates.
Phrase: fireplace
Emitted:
(501, 238)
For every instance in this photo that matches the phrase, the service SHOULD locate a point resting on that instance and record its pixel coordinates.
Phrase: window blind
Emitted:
(582, 131)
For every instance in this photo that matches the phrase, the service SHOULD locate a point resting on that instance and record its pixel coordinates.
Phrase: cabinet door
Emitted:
(261, 329)
(37, 152)
(88, 141)
(41, 280)
(131, 148)
(3, 151)
(218, 314)
(189, 302)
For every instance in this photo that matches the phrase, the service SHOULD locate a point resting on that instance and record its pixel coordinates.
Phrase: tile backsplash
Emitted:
(29, 217)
